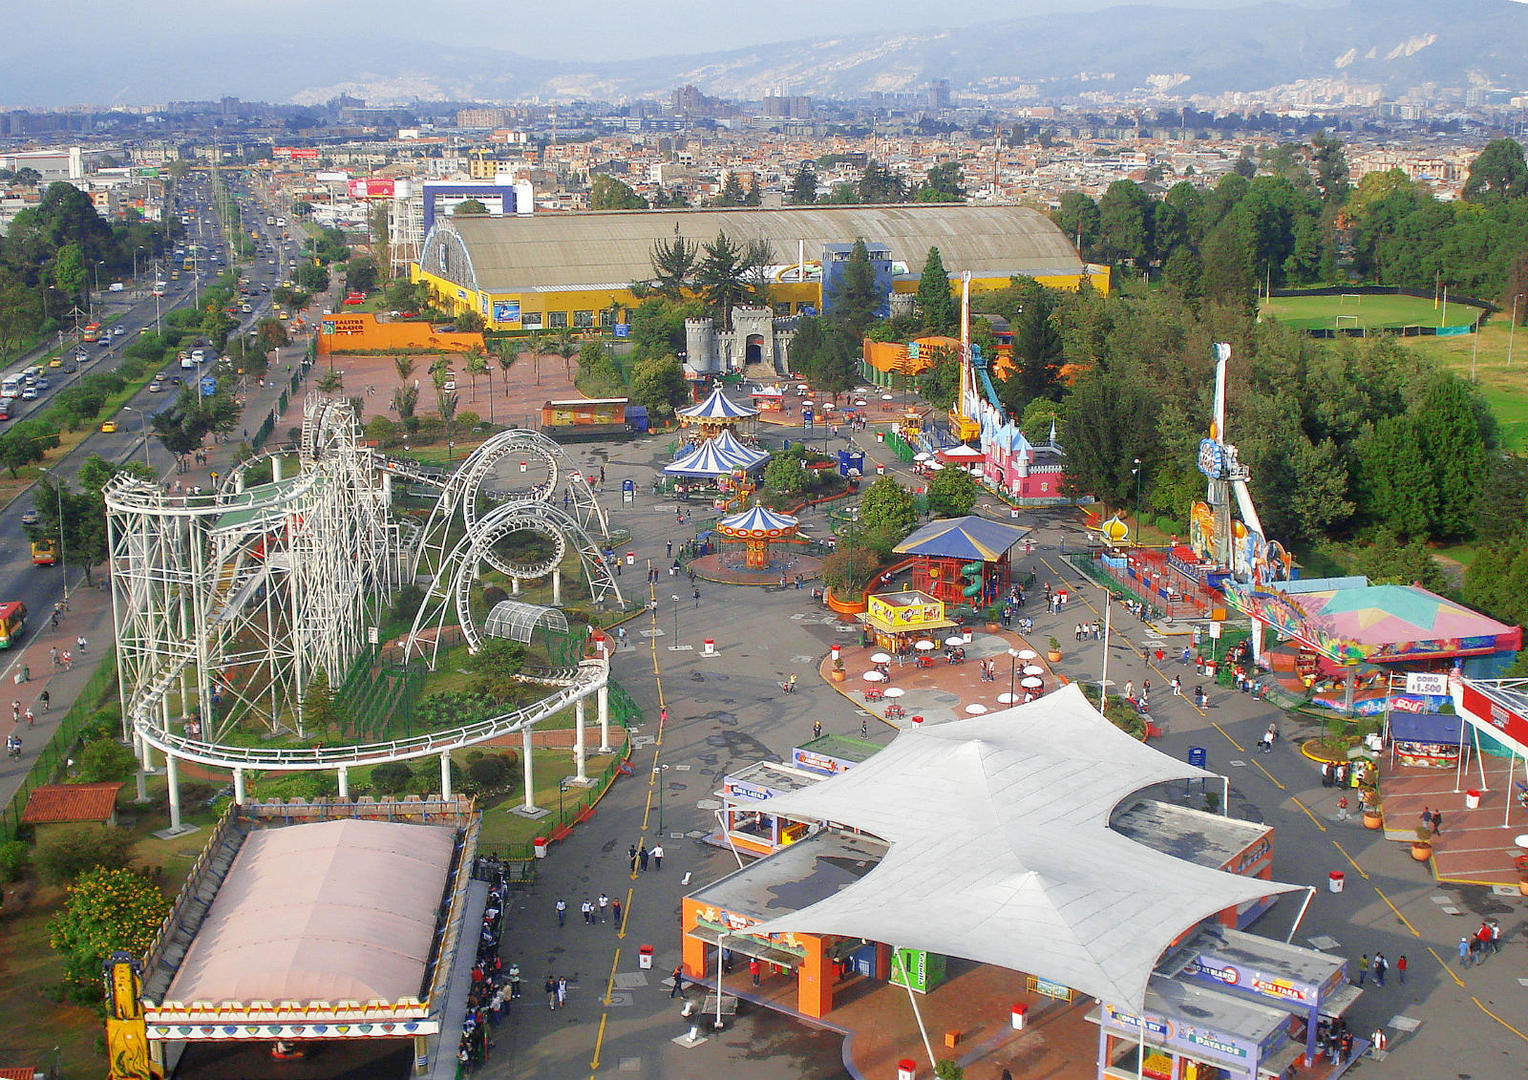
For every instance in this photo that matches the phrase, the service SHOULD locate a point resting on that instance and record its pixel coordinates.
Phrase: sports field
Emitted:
(1365, 312)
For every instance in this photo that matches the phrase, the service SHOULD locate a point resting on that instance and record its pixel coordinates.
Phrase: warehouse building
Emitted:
(575, 271)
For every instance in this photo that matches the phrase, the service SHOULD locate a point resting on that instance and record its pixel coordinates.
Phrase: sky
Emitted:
(555, 29)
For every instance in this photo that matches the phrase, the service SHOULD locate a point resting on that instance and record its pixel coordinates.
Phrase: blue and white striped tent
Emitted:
(717, 406)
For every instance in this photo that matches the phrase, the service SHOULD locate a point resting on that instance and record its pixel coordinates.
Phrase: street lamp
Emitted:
(676, 620)
(63, 563)
(562, 786)
(1013, 670)
(658, 780)
(1511, 327)
(143, 420)
(137, 249)
(1136, 472)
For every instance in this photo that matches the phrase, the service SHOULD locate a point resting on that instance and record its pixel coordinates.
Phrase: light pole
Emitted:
(676, 620)
(1136, 472)
(137, 249)
(1013, 670)
(143, 420)
(1103, 678)
(658, 780)
(63, 563)
(1512, 327)
(562, 786)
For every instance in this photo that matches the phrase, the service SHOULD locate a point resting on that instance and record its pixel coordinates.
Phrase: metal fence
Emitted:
(50, 762)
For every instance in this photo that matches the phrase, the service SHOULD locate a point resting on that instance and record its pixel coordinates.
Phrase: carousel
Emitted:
(716, 414)
(758, 546)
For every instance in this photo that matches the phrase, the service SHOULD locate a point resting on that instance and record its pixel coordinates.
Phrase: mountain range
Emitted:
(1394, 44)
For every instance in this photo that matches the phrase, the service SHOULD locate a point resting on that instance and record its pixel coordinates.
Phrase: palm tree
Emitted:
(505, 352)
(476, 364)
(567, 348)
(404, 366)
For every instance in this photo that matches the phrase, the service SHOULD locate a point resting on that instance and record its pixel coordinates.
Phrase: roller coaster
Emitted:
(228, 605)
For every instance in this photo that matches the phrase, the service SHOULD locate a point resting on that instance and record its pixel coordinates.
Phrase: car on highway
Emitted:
(119, 331)
(57, 361)
(29, 393)
(108, 426)
(156, 386)
(30, 517)
(81, 356)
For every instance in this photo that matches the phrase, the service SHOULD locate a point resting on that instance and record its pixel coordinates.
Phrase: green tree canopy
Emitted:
(1498, 173)
(803, 187)
(856, 302)
(469, 207)
(106, 910)
(608, 193)
(889, 507)
(658, 383)
(952, 492)
(935, 303)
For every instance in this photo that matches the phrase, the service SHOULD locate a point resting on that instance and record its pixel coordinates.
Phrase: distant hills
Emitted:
(1395, 44)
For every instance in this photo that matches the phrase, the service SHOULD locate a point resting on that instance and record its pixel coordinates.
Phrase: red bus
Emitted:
(13, 621)
(92, 333)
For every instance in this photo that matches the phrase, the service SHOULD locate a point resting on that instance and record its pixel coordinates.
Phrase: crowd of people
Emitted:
(493, 987)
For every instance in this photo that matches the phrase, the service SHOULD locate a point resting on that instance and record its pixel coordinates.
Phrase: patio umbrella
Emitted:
(1033, 669)
(920, 457)
(1028, 654)
(894, 691)
(886, 397)
(873, 676)
(1033, 682)
(861, 402)
(976, 709)
(1007, 699)
(957, 640)
(880, 658)
(925, 645)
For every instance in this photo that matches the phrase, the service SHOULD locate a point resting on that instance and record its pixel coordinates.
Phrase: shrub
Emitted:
(15, 857)
(391, 778)
(103, 760)
(107, 910)
(488, 773)
(68, 854)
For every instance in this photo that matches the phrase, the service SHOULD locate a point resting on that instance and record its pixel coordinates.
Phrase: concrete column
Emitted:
(556, 588)
(239, 794)
(602, 700)
(238, 483)
(529, 768)
(172, 776)
(579, 777)
(387, 487)
(344, 781)
(278, 469)
(422, 1055)
(514, 586)
(146, 755)
(445, 775)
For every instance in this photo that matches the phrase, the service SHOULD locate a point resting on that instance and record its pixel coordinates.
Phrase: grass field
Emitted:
(1504, 386)
(1373, 312)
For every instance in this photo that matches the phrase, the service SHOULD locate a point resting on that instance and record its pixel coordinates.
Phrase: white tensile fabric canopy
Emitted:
(1001, 850)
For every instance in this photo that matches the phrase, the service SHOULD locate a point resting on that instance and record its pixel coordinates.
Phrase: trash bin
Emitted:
(907, 1069)
(539, 846)
(1335, 880)
(645, 957)
(1020, 1011)
(1471, 799)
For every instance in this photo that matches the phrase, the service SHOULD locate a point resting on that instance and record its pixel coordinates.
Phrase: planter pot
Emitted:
(1373, 821)
(1054, 656)
(1522, 886)
(1421, 852)
(994, 628)
(838, 676)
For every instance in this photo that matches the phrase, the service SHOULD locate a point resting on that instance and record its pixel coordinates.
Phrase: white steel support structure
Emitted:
(243, 595)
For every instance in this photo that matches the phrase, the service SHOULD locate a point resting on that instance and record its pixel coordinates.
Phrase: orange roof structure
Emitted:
(17, 1074)
(52, 804)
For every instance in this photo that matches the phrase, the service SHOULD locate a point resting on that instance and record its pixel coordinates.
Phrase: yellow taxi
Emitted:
(283, 316)
(57, 361)
(108, 426)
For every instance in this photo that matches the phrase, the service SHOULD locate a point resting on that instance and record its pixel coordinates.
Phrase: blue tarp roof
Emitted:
(1425, 727)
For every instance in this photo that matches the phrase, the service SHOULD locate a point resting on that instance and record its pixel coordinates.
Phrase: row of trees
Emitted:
(943, 183)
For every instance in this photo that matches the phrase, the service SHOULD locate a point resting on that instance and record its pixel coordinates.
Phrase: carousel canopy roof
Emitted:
(969, 537)
(718, 406)
(760, 520)
(745, 456)
(1009, 858)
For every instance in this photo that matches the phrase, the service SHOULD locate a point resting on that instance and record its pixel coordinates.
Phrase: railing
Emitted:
(53, 756)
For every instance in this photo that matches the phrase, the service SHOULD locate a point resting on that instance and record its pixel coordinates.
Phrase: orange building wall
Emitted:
(362, 332)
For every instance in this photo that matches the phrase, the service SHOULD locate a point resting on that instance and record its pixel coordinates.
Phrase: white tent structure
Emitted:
(1001, 850)
(717, 406)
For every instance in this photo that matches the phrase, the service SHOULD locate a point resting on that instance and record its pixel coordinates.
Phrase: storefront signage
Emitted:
(1483, 709)
(1188, 1037)
(1282, 989)
(746, 790)
(1208, 968)
(1212, 1041)
(1221, 973)
(1254, 854)
(1407, 703)
(1159, 1028)
(820, 763)
(1426, 682)
(1059, 991)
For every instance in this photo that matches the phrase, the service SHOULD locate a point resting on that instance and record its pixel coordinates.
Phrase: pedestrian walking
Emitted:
(604, 903)
(697, 599)
(678, 987)
(1495, 941)
(755, 969)
(15, 712)
(1464, 952)
(514, 981)
(562, 991)
(865, 729)
(657, 854)
(1378, 966)
(1177, 686)
(551, 993)
(615, 912)
(45, 700)
(80, 643)
(1200, 700)
(562, 913)
(816, 729)
(586, 909)
(642, 854)
(1342, 815)
(1130, 690)
(631, 854)
(1326, 774)
(1160, 655)
(29, 717)
(1437, 822)
(1400, 968)
(670, 549)
(53, 652)
(1363, 968)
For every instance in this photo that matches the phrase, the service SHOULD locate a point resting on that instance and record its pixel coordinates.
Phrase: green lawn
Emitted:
(1320, 312)
(1504, 386)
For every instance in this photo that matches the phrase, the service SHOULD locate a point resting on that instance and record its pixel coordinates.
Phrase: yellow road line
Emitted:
(1397, 911)
(1351, 861)
(599, 1041)
(626, 912)
(1227, 734)
(1317, 822)
(615, 962)
(1498, 1019)
(1269, 775)
(1450, 971)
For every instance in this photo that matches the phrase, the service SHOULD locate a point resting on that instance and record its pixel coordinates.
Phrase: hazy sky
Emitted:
(583, 29)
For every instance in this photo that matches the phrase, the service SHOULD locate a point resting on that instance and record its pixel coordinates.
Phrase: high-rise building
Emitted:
(939, 94)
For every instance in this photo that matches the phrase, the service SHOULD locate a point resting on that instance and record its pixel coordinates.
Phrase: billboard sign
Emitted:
(506, 311)
(366, 188)
(309, 153)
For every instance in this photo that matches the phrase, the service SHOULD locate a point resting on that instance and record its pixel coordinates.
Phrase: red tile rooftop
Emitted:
(52, 804)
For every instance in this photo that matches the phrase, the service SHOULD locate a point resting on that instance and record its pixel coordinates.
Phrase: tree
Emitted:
(106, 910)
(784, 474)
(103, 760)
(311, 277)
(952, 492)
(729, 275)
(888, 507)
(608, 193)
(330, 382)
(857, 300)
(321, 709)
(1124, 224)
(658, 383)
(475, 360)
(66, 854)
(26, 442)
(879, 184)
(391, 778)
(361, 274)
(1450, 441)
(495, 668)
(1331, 168)
(1037, 351)
(1226, 275)
(1498, 174)
(673, 264)
(935, 304)
(1077, 216)
(69, 271)
(942, 184)
(732, 193)
(803, 188)
(1108, 422)
(468, 208)
(405, 401)
(505, 352)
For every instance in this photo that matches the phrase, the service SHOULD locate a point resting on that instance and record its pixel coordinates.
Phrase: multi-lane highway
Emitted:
(40, 587)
